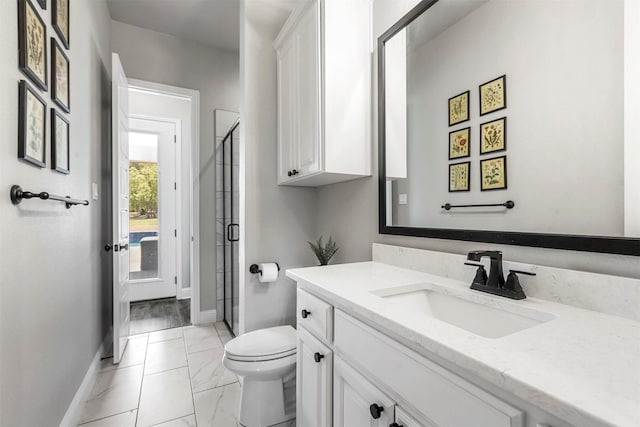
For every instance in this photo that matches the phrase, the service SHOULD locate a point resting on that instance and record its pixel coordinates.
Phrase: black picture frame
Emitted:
(504, 95)
(24, 89)
(56, 50)
(504, 172)
(468, 177)
(585, 243)
(43, 4)
(468, 143)
(24, 43)
(55, 115)
(467, 118)
(55, 7)
(504, 137)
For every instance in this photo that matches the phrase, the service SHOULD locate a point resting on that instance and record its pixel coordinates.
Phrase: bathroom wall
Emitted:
(349, 211)
(161, 58)
(55, 290)
(172, 107)
(275, 221)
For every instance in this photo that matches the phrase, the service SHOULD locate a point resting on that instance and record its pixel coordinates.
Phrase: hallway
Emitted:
(172, 377)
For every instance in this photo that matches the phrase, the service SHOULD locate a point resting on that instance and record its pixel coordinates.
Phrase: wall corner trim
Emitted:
(207, 316)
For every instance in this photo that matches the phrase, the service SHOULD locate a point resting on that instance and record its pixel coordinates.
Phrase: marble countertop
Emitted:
(582, 367)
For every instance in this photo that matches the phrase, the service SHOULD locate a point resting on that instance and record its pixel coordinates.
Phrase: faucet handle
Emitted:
(513, 284)
(481, 275)
(474, 264)
(522, 272)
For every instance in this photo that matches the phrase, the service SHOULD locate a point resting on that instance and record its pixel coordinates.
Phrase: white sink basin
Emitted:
(487, 316)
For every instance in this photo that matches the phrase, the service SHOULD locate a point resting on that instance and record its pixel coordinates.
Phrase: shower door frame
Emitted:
(229, 236)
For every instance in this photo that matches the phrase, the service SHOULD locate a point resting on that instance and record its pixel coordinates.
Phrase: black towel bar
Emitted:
(17, 194)
(509, 204)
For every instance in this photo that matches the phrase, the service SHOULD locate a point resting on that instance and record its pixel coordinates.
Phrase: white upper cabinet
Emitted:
(324, 93)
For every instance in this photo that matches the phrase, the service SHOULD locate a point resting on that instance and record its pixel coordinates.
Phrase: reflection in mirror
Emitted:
(564, 93)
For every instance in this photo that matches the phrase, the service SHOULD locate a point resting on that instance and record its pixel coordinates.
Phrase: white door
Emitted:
(356, 402)
(314, 361)
(120, 183)
(152, 203)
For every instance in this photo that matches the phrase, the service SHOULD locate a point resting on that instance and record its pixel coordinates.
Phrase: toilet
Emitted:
(264, 358)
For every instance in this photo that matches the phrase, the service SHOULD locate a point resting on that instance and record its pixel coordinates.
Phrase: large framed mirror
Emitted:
(564, 173)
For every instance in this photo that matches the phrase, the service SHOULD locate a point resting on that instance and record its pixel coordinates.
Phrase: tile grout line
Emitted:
(105, 417)
(144, 365)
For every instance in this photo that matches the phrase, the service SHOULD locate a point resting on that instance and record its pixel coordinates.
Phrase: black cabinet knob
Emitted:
(318, 357)
(289, 173)
(395, 425)
(376, 410)
(305, 314)
(108, 247)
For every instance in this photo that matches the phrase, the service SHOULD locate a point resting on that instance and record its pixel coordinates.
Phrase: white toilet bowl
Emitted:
(263, 358)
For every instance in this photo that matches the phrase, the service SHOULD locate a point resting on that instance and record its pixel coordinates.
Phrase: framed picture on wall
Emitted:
(493, 173)
(459, 143)
(59, 142)
(60, 20)
(459, 108)
(59, 76)
(459, 177)
(43, 4)
(493, 136)
(493, 95)
(32, 44)
(32, 118)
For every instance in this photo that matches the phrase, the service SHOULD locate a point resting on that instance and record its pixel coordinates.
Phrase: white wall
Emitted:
(349, 211)
(161, 58)
(275, 222)
(172, 107)
(55, 290)
(564, 128)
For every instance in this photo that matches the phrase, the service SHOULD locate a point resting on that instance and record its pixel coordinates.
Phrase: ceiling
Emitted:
(213, 22)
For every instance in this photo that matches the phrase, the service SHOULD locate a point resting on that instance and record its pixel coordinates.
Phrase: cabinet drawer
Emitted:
(440, 396)
(315, 315)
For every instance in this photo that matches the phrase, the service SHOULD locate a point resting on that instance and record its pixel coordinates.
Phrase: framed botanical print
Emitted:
(32, 118)
(59, 142)
(32, 44)
(459, 177)
(493, 174)
(59, 76)
(459, 108)
(60, 20)
(493, 95)
(493, 136)
(459, 143)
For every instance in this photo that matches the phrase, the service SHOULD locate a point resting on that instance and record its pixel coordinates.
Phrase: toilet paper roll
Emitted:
(269, 272)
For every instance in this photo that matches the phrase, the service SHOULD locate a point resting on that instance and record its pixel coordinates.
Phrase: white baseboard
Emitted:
(74, 411)
(207, 316)
(183, 293)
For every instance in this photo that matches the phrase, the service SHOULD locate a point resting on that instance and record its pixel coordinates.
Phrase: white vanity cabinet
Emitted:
(314, 380)
(324, 93)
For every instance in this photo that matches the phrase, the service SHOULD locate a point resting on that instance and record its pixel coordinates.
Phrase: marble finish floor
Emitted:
(158, 314)
(173, 377)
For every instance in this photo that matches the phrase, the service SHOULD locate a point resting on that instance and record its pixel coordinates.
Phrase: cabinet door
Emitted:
(405, 420)
(287, 108)
(356, 402)
(314, 375)
(308, 155)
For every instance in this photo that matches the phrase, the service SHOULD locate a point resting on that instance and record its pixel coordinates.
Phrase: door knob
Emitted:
(294, 172)
(108, 247)
(289, 173)
(376, 410)
(124, 247)
(318, 357)
(305, 314)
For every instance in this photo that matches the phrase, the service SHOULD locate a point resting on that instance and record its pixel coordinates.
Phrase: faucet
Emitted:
(496, 284)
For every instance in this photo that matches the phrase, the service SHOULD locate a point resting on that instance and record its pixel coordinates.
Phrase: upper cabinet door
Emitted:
(287, 108)
(308, 73)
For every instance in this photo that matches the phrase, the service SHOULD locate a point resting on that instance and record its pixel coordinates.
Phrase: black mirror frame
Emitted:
(610, 245)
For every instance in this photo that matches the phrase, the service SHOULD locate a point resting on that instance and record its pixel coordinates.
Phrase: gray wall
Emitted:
(161, 58)
(349, 211)
(55, 290)
(275, 222)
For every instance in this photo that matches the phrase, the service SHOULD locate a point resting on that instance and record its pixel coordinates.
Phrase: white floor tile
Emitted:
(167, 334)
(114, 392)
(165, 396)
(199, 338)
(207, 371)
(188, 421)
(126, 419)
(134, 354)
(165, 355)
(218, 407)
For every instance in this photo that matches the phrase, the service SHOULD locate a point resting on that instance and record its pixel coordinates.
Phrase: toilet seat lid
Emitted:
(263, 344)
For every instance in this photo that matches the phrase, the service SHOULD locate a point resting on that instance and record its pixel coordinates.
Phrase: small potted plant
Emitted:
(324, 252)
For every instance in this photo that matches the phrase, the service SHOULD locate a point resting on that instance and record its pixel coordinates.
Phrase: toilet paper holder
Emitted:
(255, 268)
